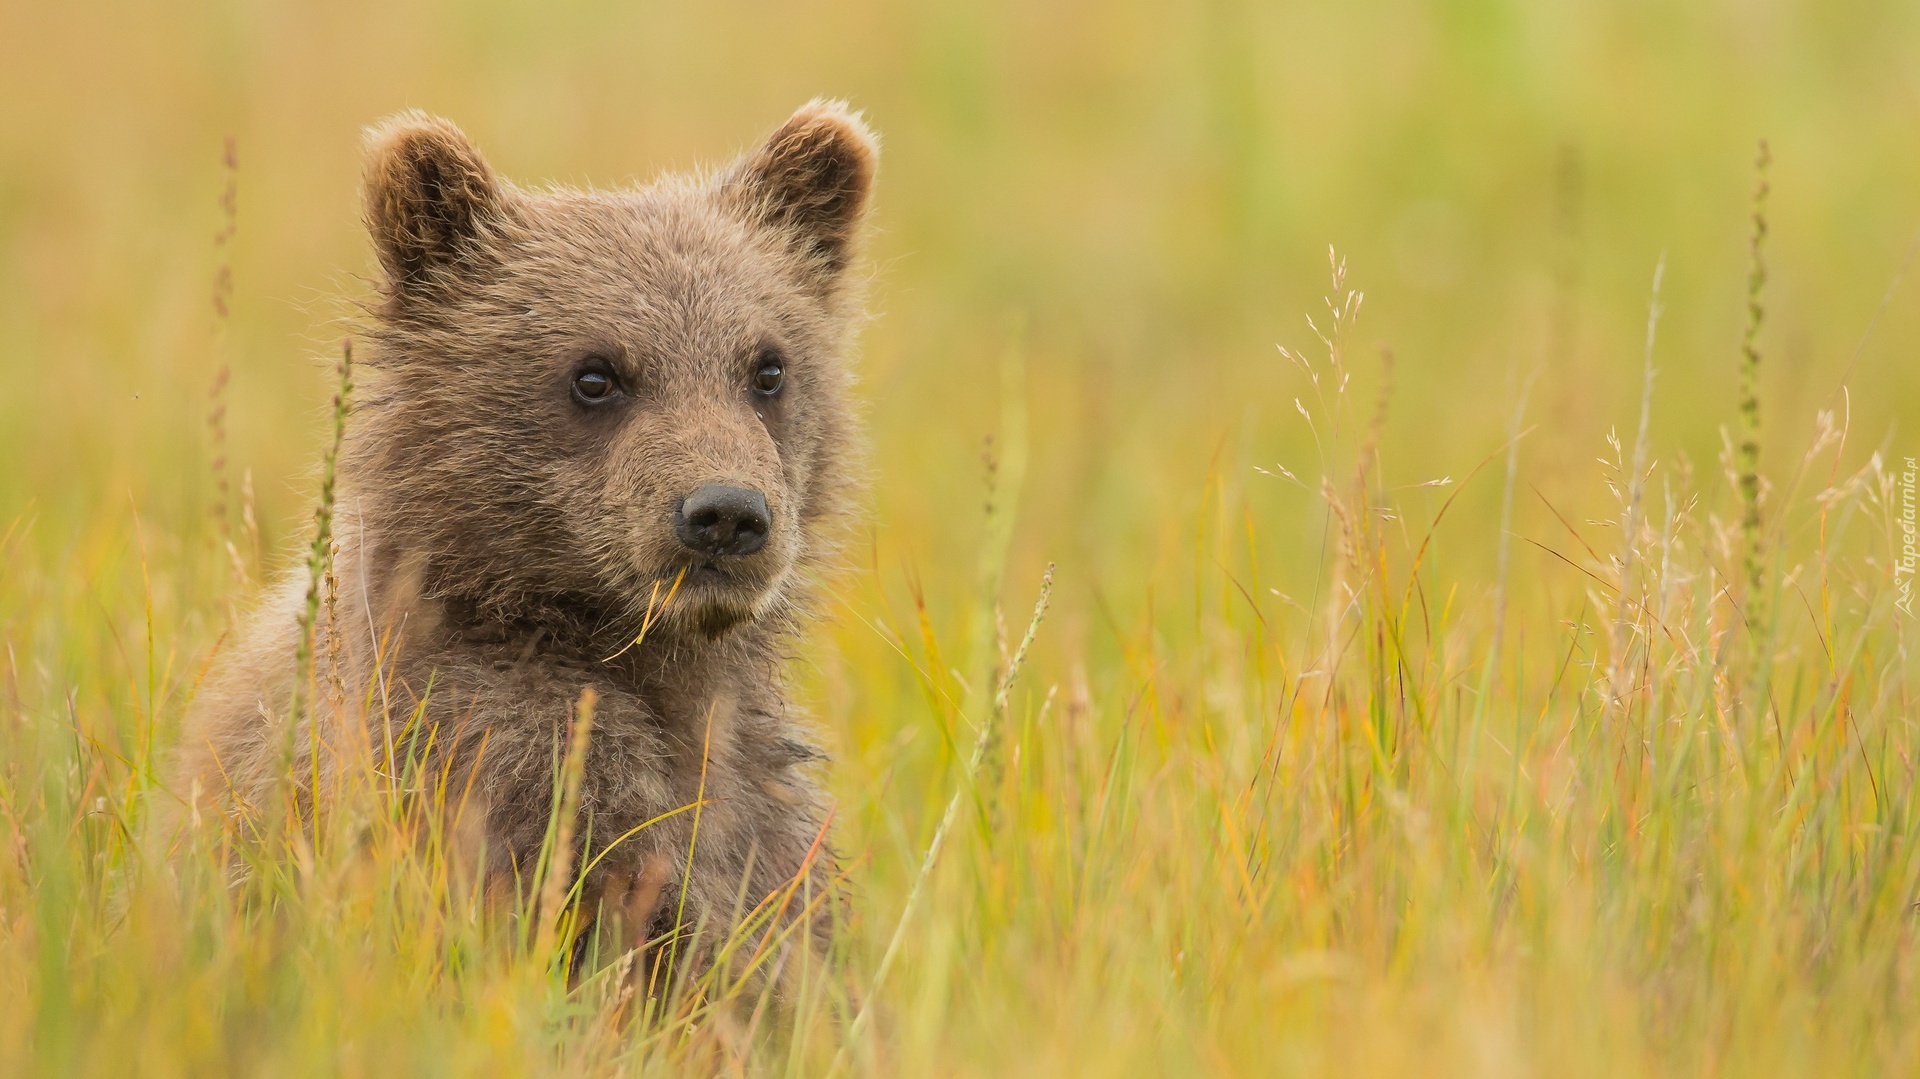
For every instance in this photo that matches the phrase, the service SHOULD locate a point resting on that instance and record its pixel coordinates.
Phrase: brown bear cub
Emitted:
(578, 404)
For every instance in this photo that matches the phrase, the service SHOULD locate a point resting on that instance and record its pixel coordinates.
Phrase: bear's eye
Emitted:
(594, 383)
(767, 380)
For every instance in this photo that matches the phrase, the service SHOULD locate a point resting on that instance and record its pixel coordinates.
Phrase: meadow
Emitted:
(1382, 552)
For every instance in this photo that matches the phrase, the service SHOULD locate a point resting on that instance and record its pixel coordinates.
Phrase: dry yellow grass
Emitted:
(1374, 726)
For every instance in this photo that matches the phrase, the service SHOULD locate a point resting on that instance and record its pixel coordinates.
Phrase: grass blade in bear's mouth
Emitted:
(708, 573)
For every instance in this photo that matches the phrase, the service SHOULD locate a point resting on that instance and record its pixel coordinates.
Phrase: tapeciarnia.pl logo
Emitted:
(1903, 566)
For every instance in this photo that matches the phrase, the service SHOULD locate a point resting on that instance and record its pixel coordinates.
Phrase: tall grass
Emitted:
(1327, 711)
(1652, 837)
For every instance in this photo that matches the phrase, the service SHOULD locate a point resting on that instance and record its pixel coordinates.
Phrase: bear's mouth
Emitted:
(708, 575)
(712, 597)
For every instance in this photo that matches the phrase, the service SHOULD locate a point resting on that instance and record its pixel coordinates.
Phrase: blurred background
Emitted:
(1113, 212)
(1139, 196)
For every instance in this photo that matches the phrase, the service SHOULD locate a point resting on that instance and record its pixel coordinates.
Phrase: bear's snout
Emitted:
(718, 520)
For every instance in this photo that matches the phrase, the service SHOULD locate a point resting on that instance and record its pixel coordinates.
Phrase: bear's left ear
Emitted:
(811, 179)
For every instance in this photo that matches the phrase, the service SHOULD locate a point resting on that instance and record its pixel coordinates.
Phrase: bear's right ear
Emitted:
(430, 198)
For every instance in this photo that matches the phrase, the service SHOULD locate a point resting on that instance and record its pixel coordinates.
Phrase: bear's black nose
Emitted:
(716, 520)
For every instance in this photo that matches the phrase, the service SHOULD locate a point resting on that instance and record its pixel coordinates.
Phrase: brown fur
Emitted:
(511, 538)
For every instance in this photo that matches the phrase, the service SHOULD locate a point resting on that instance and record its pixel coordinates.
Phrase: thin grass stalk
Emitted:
(222, 508)
(1006, 468)
(693, 850)
(285, 811)
(1748, 456)
(320, 551)
(1636, 484)
(858, 1028)
(559, 871)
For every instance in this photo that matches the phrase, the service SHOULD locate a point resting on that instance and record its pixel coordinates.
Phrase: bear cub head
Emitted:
(583, 401)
